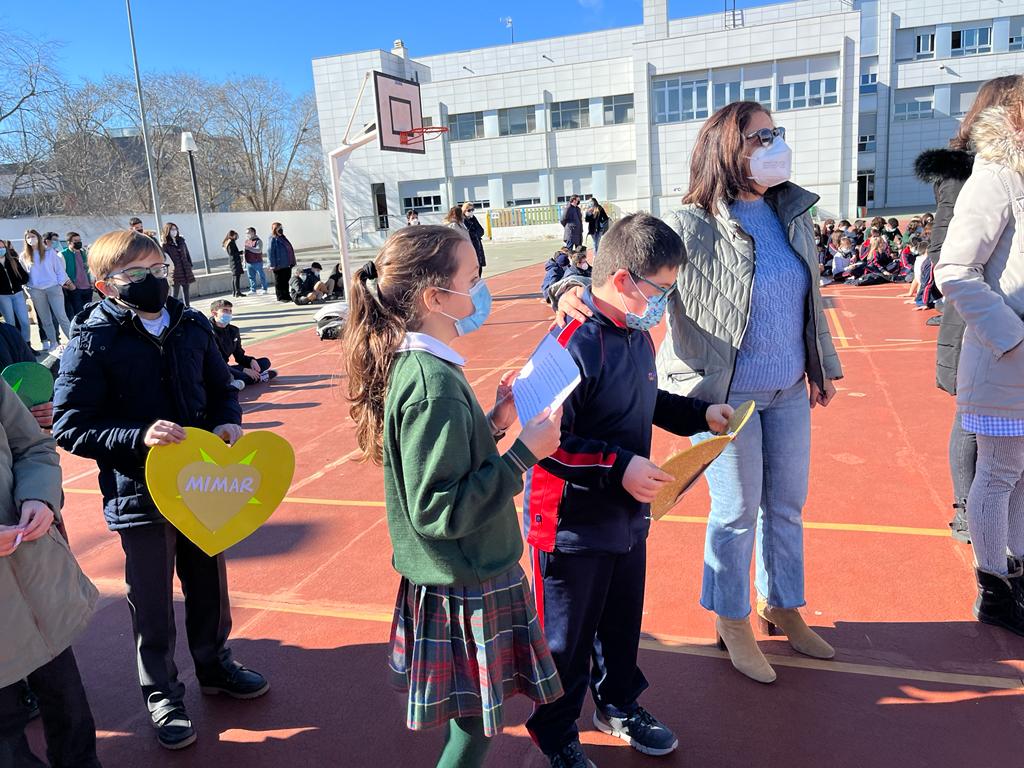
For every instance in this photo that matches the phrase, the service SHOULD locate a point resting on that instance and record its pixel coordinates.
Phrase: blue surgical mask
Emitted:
(652, 315)
(224, 318)
(481, 297)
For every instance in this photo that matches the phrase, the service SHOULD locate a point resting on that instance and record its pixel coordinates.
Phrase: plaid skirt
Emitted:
(461, 651)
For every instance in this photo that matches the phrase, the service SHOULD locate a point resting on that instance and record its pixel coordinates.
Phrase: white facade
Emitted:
(614, 114)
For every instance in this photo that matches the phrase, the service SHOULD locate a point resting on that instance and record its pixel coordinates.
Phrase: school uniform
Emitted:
(588, 534)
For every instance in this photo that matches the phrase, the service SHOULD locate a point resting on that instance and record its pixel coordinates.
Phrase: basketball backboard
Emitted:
(398, 109)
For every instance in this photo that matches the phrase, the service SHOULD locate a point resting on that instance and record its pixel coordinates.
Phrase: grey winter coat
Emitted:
(708, 314)
(981, 271)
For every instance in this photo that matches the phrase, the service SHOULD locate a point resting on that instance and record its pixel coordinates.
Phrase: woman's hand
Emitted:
(503, 414)
(43, 414)
(817, 397)
(718, 417)
(570, 304)
(36, 519)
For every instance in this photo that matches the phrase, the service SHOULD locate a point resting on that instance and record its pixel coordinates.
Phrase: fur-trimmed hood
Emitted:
(935, 165)
(996, 139)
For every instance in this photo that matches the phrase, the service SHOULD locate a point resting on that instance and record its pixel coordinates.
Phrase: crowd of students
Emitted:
(868, 253)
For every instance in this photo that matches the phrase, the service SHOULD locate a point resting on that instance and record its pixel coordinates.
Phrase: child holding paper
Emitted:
(588, 505)
(465, 635)
(138, 369)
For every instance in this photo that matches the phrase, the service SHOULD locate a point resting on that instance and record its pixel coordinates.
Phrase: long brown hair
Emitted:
(454, 215)
(384, 304)
(28, 255)
(166, 234)
(718, 168)
(231, 235)
(998, 91)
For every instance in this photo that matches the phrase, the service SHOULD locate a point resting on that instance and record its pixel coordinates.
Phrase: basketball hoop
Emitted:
(420, 135)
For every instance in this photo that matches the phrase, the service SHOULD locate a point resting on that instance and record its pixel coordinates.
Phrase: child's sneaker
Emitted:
(570, 756)
(175, 731)
(641, 730)
(236, 681)
(238, 384)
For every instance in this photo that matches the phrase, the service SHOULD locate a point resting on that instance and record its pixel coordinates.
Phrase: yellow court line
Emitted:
(686, 646)
(839, 334)
(853, 527)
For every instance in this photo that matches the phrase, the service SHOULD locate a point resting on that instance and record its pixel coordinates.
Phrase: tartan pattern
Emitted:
(992, 426)
(461, 651)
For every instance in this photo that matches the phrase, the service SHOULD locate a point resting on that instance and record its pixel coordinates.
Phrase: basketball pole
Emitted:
(337, 160)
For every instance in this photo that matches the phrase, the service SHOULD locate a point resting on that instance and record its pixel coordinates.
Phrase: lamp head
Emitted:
(188, 142)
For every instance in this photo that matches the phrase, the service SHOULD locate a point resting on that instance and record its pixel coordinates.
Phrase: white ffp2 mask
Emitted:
(772, 165)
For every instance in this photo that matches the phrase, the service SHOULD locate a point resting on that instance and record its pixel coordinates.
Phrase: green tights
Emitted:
(465, 745)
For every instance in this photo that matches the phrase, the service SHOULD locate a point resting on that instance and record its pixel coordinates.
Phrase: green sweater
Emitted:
(449, 493)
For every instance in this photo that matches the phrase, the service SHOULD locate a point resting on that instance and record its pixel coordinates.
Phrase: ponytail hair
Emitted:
(384, 304)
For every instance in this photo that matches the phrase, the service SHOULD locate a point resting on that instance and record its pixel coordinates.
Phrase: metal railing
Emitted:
(527, 215)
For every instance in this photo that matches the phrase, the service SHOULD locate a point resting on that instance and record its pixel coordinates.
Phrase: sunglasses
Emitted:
(767, 136)
(138, 274)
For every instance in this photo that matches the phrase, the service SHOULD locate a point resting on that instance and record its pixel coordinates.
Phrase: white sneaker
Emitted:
(238, 384)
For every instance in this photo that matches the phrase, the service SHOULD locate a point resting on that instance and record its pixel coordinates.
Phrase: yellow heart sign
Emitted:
(217, 495)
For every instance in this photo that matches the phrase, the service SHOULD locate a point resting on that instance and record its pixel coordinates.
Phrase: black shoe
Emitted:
(236, 681)
(271, 374)
(175, 731)
(641, 731)
(570, 756)
(958, 525)
(933, 321)
(29, 701)
(1001, 600)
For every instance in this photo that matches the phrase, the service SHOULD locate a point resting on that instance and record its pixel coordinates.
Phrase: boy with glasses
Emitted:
(140, 367)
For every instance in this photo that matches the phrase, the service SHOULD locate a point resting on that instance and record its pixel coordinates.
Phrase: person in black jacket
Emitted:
(597, 222)
(306, 287)
(247, 369)
(13, 279)
(230, 245)
(947, 170)
(138, 369)
(476, 234)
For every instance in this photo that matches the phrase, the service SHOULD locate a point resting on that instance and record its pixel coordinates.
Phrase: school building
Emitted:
(861, 86)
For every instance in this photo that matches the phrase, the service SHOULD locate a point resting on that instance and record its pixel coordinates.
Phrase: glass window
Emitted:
(869, 82)
(567, 198)
(468, 125)
(972, 41)
(924, 47)
(522, 201)
(422, 203)
(792, 96)
(566, 115)
(762, 95)
(726, 93)
(866, 142)
(618, 109)
(823, 92)
(1017, 42)
(914, 110)
(676, 99)
(475, 203)
(517, 120)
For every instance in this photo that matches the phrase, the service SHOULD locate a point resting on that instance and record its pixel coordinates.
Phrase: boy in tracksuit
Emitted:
(588, 505)
(138, 369)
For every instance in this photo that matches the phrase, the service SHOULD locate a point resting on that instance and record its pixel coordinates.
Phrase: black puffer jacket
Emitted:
(946, 170)
(116, 379)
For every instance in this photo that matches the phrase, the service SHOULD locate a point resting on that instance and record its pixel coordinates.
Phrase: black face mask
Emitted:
(148, 296)
(76, 246)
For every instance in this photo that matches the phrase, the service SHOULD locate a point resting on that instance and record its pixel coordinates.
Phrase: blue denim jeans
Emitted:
(254, 271)
(758, 489)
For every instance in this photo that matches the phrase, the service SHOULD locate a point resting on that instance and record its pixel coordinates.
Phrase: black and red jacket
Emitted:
(574, 499)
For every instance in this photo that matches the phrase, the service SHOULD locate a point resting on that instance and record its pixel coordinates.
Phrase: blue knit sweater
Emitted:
(772, 354)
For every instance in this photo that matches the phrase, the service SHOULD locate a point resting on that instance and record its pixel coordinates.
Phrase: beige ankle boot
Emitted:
(736, 637)
(789, 622)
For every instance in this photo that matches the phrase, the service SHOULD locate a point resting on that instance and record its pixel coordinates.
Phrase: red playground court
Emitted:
(916, 680)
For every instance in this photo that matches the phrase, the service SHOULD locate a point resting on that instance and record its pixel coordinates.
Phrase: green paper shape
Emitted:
(31, 382)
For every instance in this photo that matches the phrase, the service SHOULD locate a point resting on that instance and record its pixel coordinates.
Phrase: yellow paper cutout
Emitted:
(688, 465)
(217, 495)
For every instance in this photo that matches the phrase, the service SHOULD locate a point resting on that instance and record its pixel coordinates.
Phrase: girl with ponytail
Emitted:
(465, 618)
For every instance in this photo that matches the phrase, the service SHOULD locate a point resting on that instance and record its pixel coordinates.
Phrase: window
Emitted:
(972, 41)
(469, 125)
(677, 99)
(517, 120)
(522, 201)
(428, 122)
(567, 198)
(866, 142)
(618, 109)
(726, 93)
(869, 82)
(914, 110)
(792, 96)
(1017, 42)
(475, 203)
(823, 92)
(865, 189)
(422, 203)
(924, 47)
(380, 205)
(566, 115)
(762, 95)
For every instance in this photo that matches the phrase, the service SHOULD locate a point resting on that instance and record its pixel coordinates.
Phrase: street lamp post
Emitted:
(142, 117)
(507, 21)
(188, 145)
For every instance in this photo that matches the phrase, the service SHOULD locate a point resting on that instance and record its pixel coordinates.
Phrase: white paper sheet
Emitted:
(547, 379)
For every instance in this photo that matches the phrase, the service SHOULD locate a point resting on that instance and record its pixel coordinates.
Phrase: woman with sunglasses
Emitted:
(747, 324)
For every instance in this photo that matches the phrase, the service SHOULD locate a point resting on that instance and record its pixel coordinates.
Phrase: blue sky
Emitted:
(219, 38)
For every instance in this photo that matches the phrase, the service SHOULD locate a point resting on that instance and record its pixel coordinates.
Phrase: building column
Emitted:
(943, 41)
(655, 19)
(545, 182)
(1001, 35)
(496, 191)
(941, 98)
(491, 130)
(599, 182)
(596, 111)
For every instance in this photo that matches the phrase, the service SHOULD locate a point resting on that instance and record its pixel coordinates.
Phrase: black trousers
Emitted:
(152, 553)
(593, 604)
(67, 719)
(281, 279)
(238, 371)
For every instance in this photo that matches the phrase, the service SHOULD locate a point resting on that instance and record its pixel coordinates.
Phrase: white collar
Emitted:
(423, 342)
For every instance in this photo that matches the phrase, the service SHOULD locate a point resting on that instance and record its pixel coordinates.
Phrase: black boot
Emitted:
(1001, 600)
(958, 525)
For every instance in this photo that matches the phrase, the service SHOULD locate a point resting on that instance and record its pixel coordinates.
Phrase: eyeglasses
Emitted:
(767, 136)
(138, 274)
(655, 286)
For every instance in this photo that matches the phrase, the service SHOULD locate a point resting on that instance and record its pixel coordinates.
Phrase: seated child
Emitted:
(844, 260)
(554, 269)
(588, 506)
(306, 287)
(579, 264)
(247, 369)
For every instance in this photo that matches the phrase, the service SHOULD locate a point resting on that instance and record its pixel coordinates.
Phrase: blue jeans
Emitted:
(596, 237)
(758, 489)
(254, 271)
(15, 312)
